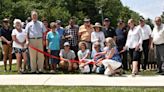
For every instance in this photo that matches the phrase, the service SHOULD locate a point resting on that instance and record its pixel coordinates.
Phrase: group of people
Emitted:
(89, 48)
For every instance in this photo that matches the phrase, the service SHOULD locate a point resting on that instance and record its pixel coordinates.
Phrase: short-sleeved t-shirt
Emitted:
(45, 33)
(20, 36)
(54, 40)
(158, 35)
(85, 33)
(82, 54)
(69, 55)
(6, 33)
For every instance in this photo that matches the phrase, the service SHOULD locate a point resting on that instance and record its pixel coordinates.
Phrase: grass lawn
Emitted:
(76, 89)
(14, 71)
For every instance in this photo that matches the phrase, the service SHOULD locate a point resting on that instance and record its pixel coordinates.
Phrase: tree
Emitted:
(64, 9)
(149, 22)
(111, 9)
(162, 16)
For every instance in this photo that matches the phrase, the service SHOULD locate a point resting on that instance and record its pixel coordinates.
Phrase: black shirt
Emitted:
(110, 32)
(6, 33)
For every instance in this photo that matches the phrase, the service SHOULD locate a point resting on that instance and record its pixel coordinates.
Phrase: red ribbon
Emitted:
(49, 55)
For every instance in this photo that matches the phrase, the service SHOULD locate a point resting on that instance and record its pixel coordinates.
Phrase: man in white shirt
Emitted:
(146, 36)
(35, 30)
(158, 41)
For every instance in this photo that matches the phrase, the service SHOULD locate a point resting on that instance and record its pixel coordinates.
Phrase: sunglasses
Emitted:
(5, 22)
(67, 46)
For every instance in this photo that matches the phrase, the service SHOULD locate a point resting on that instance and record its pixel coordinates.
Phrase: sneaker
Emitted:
(158, 72)
(19, 72)
(142, 70)
(24, 71)
(52, 71)
(37, 72)
(33, 72)
(40, 71)
(133, 74)
(5, 71)
(10, 70)
(121, 71)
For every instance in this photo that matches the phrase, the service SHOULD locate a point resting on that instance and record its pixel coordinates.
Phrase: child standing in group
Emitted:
(53, 45)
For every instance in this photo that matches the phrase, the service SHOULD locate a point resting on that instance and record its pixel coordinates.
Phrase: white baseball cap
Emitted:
(66, 44)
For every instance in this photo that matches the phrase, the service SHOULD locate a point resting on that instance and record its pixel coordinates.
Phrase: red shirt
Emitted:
(44, 36)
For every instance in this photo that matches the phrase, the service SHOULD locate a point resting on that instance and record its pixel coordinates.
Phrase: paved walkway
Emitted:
(81, 80)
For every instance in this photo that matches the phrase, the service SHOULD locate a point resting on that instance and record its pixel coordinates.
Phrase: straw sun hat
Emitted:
(97, 24)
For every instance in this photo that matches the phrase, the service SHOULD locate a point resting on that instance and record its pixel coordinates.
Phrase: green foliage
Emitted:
(111, 9)
(162, 16)
(150, 22)
(7, 88)
(64, 9)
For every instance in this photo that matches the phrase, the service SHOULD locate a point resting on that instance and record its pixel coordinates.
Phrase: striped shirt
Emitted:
(35, 29)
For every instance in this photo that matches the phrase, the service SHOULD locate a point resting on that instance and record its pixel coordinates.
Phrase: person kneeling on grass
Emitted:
(84, 58)
(53, 45)
(20, 42)
(112, 61)
(67, 56)
(98, 67)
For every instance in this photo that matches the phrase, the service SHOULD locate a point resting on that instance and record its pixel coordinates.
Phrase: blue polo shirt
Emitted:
(121, 38)
(54, 40)
(61, 32)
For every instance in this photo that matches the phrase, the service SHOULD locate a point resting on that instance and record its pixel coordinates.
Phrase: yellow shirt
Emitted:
(85, 33)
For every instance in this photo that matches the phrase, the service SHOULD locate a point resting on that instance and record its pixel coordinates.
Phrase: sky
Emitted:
(146, 8)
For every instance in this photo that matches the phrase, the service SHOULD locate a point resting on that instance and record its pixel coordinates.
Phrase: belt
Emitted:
(146, 40)
(36, 38)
